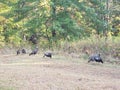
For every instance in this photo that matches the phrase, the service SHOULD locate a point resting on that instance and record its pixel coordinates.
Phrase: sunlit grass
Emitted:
(6, 88)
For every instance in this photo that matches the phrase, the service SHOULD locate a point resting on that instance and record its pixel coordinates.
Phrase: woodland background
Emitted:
(86, 26)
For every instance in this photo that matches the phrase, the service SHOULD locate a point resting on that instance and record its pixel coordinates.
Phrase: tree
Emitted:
(56, 20)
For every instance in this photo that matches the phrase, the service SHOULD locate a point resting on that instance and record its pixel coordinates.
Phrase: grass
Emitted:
(6, 88)
(62, 72)
(58, 73)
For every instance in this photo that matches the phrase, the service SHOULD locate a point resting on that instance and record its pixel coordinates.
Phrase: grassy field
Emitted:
(25, 72)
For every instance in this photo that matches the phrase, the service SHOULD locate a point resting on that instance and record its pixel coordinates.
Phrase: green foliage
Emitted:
(56, 20)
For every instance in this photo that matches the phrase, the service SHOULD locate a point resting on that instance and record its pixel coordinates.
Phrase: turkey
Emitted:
(33, 39)
(23, 51)
(18, 51)
(35, 51)
(96, 58)
(48, 54)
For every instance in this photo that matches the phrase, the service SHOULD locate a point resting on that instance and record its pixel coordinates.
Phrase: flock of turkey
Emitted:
(33, 52)
(95, 57)
(33, 40)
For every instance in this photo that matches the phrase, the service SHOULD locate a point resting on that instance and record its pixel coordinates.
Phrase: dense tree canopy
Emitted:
(56, 20)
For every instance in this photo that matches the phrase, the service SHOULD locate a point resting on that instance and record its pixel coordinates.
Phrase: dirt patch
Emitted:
(59, 73)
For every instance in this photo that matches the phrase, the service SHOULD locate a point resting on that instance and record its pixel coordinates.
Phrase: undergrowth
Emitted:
(108, 48)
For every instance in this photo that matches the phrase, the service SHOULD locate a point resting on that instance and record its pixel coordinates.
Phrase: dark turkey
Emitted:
(96, 58)
(48, 54)
(18, 51)
(33, 39)
(35, 51)
(23, 51)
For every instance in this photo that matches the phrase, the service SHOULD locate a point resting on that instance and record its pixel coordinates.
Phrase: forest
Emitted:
(70, 25)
